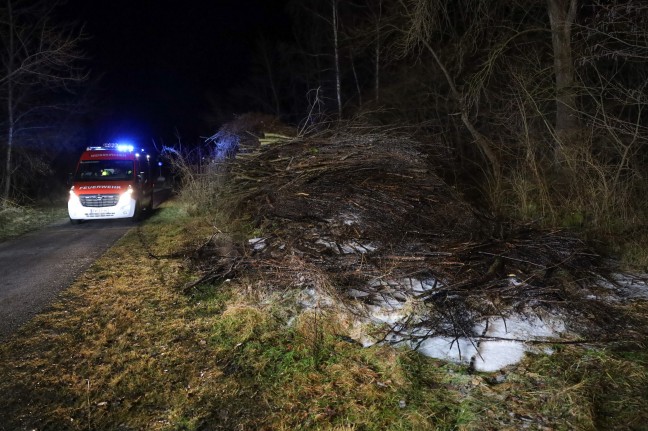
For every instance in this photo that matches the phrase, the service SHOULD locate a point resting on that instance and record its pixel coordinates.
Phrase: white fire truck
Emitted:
(111, 181)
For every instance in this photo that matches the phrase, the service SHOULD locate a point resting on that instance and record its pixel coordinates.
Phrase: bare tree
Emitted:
(264, 51)
(366, 36)
(38, 56)
(562, 14)
(424, 19)
(336, 57)
(377, 49)
(312, 59)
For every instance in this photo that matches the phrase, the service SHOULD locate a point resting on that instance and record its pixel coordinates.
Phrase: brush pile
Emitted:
(363, 222)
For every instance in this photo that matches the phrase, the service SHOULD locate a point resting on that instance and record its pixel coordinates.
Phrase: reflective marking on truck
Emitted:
(99, 187)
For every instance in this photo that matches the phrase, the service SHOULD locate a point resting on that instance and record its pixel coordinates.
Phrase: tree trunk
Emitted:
(357, 82)
(273, 87)
(377, 72)
(482, 142)
(562, 14)
(377, 55)
(6, 194)
(338, 86)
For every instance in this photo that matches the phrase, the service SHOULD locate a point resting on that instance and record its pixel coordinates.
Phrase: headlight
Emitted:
(127, 194)
(73, 196)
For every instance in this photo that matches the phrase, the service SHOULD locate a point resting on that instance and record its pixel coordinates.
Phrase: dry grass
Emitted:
(124, 348)
(574, 388)
(16, 220)
(594, 192)
(101, 351)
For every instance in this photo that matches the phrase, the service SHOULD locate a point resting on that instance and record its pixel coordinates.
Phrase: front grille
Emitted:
(99, 201)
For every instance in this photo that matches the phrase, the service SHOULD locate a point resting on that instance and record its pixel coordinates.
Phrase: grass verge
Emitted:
(124, 348)
(16, 220)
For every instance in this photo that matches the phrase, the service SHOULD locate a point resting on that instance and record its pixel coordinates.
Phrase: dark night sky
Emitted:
(160, 61)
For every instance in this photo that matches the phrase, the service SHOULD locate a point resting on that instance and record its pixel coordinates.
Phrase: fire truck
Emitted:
(111, 181)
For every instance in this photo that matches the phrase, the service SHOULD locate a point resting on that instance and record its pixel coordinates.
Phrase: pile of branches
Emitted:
(367, 218)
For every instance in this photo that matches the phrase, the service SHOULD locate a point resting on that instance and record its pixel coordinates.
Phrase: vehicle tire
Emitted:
(75, 221)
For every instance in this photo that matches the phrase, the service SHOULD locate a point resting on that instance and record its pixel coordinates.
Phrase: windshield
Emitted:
(104, 170)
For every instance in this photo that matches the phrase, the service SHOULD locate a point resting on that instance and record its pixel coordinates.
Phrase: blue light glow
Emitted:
(126, 148)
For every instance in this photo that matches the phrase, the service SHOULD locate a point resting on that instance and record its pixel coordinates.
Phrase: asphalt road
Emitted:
(35, 267)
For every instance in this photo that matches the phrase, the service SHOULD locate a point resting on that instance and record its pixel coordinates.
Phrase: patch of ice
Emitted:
(350, 219)
(355, 293)
(393, 303)
(328, 244)
(503, 341)
(348, 247)
(497, 342)
(459, 350)
(525, 327)
(257, 243)
(422, 286)
(495, 355)
(313, 298)
(347, 219)
(414, 285)
(366, 342)
(632, 286)
(514, 281)
(382, 314)
(627, 285)
(356, 247)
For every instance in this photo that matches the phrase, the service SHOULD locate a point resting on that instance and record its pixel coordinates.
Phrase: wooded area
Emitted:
(40, 68)
(540, 104)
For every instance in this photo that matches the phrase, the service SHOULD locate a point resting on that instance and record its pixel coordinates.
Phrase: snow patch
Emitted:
(412, 286)
(257, 244)
(313, 298)
(492, 344)
(497, 343)
(356, 247)
(504, 342)
(459, 350)
(347, 247)
(628, 286)
(495, 355)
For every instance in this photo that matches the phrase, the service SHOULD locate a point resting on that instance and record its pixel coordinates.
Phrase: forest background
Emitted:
(536, 107)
